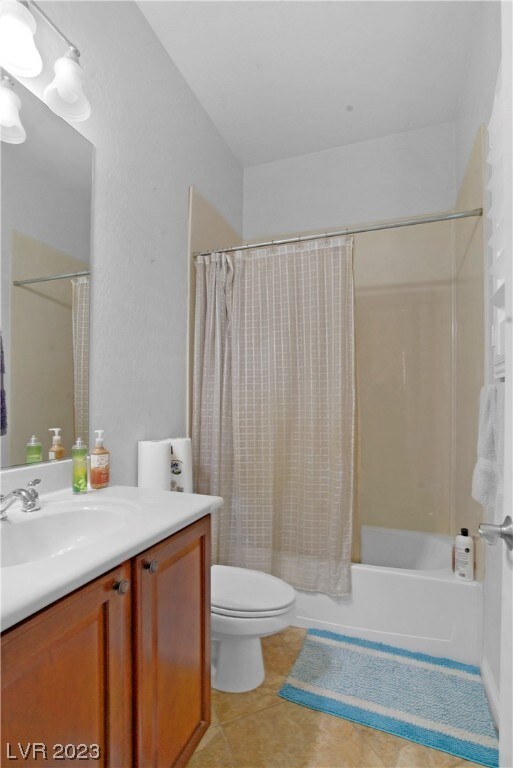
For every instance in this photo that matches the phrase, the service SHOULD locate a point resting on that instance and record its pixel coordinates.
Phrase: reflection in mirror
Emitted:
(46, 232)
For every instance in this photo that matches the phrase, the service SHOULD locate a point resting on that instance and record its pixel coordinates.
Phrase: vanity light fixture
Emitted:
(18, 52)
(20, 57)
(11, 129)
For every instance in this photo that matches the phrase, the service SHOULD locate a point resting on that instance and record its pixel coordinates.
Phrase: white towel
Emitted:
(487, 480)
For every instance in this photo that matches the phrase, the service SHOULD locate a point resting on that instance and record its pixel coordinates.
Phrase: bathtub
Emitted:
(404, 593)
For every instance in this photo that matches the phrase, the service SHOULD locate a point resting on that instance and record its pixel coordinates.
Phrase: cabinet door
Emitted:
(172, 647)
(66, 683)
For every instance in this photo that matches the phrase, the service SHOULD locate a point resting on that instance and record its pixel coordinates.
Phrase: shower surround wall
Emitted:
(420, 340)
(404, 351)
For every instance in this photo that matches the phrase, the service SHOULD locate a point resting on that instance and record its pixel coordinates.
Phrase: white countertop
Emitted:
(149, 516)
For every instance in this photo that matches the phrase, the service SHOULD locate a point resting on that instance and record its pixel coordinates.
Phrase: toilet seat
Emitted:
(249, 614)
(248, 594)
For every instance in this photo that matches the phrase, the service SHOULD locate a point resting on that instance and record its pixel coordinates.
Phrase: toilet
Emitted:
(245, 606)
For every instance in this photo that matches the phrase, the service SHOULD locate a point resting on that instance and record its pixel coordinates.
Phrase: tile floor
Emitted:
(259, 730)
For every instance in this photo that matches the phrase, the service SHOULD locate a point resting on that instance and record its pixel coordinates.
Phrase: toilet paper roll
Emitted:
(181, 464)
(154, 464)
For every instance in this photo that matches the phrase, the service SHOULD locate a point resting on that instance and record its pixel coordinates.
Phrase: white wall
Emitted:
(401, 175)
(153, 140)
(397, 176)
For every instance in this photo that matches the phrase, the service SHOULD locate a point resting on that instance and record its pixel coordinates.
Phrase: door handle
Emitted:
(492, 533)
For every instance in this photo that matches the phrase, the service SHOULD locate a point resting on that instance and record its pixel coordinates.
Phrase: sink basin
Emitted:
(61, 526)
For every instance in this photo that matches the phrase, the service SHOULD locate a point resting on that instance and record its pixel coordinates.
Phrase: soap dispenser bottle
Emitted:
(79, 466)
(34, 451)
(56, 452)
(100, 463)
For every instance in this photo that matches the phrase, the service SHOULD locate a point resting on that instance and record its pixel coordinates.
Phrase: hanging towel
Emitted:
(3, 400)
(487, 480)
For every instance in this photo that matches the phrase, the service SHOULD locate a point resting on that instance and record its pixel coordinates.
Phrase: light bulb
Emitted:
(8, 120)
(11, 129)
(65, 94)
(18, 53)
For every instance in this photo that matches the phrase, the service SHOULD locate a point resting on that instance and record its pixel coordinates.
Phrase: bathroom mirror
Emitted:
(46, 193)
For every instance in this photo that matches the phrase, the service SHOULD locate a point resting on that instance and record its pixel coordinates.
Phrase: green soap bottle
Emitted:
(79, 466)
(34, 451)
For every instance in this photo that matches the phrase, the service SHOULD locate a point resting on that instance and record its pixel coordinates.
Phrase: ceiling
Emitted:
(281, 79)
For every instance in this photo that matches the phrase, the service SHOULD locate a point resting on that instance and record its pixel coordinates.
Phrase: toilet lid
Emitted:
(245, 592)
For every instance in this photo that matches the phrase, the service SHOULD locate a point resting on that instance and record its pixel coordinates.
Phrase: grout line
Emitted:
(254, 712)
(232, 758)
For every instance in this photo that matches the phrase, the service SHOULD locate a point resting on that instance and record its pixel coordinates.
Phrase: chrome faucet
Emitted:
(28, 496)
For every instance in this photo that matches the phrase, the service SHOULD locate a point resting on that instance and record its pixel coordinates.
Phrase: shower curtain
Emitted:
(274, 408)
(80, 312)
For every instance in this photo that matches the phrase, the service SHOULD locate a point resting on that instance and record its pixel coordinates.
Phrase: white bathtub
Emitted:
(404, 593)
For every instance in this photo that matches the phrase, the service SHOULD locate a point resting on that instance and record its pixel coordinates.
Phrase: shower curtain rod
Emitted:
(51, 277)
(447, 216)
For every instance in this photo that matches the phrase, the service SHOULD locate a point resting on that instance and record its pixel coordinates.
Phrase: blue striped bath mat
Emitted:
(435, 702)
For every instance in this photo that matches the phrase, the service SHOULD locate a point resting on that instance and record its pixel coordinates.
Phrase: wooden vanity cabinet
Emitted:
(66, 680)
(122, 663)
(172, 647)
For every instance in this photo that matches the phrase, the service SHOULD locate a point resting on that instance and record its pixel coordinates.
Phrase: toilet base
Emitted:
(239, 665)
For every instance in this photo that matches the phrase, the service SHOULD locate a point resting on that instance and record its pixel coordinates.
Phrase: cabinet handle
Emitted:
(121, 587)
(152, 566)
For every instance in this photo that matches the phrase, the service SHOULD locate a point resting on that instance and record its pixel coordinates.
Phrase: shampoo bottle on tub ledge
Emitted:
(464, 556)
